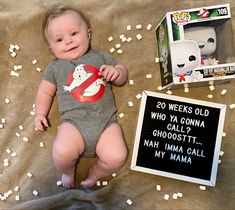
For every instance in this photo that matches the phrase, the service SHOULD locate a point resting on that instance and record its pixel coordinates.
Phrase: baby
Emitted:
(81, 77)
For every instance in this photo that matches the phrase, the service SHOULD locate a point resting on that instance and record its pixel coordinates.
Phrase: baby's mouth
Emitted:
(71, 49)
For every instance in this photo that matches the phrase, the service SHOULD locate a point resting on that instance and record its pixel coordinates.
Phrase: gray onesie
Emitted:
(84, 99)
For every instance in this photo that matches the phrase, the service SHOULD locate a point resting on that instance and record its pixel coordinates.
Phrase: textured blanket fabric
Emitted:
(20, 24)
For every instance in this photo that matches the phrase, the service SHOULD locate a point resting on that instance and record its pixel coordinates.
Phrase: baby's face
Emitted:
(68, 36)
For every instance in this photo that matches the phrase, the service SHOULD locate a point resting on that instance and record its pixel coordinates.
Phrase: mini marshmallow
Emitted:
(6, 164)
(129, 39)
(156, 60)
(209, 96)
(8, 193)
(121, 115)
(35, 192)
(212, 87)
(29, 174)
(6, 160)
(32, 113)
(1, 126)
(201, 187)
(13, 154)
(130, 103)
(111, 50)
(159, 88)
(38, 69)
(34, 61)
(121, 36)
(110, 38)
(16, 47)
(128, 28)
(8, 151)
(179, 194)
(131, 82)
(17, 67)
(25, 139)
(139, 36)
(175, 196)
(21, 127)
(148, 76)
(124, 39)
(17, 197)
(14, 74)
(16, 188)
(114, 175)
(149, 27)
(223, 134)
(104, 183)
(223, 92)
(59, 183)
(129, 202)
(221, 153)
(139, 26)
(7, 100)
(117, 45)
(119, 51)
(169, 92)
(3, 120)
(186, 89)
(166, 197)
(13, 54)
(138, 96)
(98, 184)
(232, 106)
(158, 187)
(41, 144)
(18, 135)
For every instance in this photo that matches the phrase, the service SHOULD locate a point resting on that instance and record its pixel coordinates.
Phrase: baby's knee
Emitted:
(117, 159)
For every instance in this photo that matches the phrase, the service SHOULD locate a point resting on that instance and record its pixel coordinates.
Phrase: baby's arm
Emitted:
(43, 102)
(116, 74)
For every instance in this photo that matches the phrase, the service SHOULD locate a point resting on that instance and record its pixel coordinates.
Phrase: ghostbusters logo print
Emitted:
(85, 84)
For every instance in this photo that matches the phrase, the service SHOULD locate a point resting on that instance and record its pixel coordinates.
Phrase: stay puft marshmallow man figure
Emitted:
(185, 57)
(205, 37)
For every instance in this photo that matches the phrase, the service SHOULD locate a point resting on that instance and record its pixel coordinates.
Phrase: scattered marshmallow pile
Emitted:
(13, 49)
(123, 38)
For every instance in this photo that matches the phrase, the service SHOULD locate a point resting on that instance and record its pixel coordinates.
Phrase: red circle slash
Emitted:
(77, 93)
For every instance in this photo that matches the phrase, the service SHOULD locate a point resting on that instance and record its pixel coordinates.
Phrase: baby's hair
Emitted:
(57, 11)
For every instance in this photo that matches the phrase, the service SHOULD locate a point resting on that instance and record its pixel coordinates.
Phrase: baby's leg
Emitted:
(67, 147)
(111, 152)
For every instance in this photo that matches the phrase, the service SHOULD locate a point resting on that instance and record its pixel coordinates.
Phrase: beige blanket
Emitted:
(28, 178)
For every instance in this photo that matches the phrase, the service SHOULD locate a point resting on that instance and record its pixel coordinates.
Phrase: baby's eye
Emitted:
(59, 40)
(74, 33)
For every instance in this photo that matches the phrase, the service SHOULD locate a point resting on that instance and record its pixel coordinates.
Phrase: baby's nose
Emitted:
(68, 41)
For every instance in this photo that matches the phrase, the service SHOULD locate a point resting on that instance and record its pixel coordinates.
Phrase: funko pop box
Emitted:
(195, 45)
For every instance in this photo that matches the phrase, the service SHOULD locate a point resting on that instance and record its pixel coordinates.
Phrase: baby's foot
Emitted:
(67, 180)
(90, 181)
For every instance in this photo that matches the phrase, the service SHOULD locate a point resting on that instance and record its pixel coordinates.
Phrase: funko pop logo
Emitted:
(203, 13)
(181, 17)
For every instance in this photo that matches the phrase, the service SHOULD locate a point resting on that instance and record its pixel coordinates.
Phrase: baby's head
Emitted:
(67, 32)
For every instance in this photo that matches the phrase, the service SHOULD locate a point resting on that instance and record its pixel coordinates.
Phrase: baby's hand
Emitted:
(110, 73)
(40, 122)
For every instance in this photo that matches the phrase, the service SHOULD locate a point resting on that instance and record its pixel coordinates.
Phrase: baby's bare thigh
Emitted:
(111, 142)
(68, 136)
